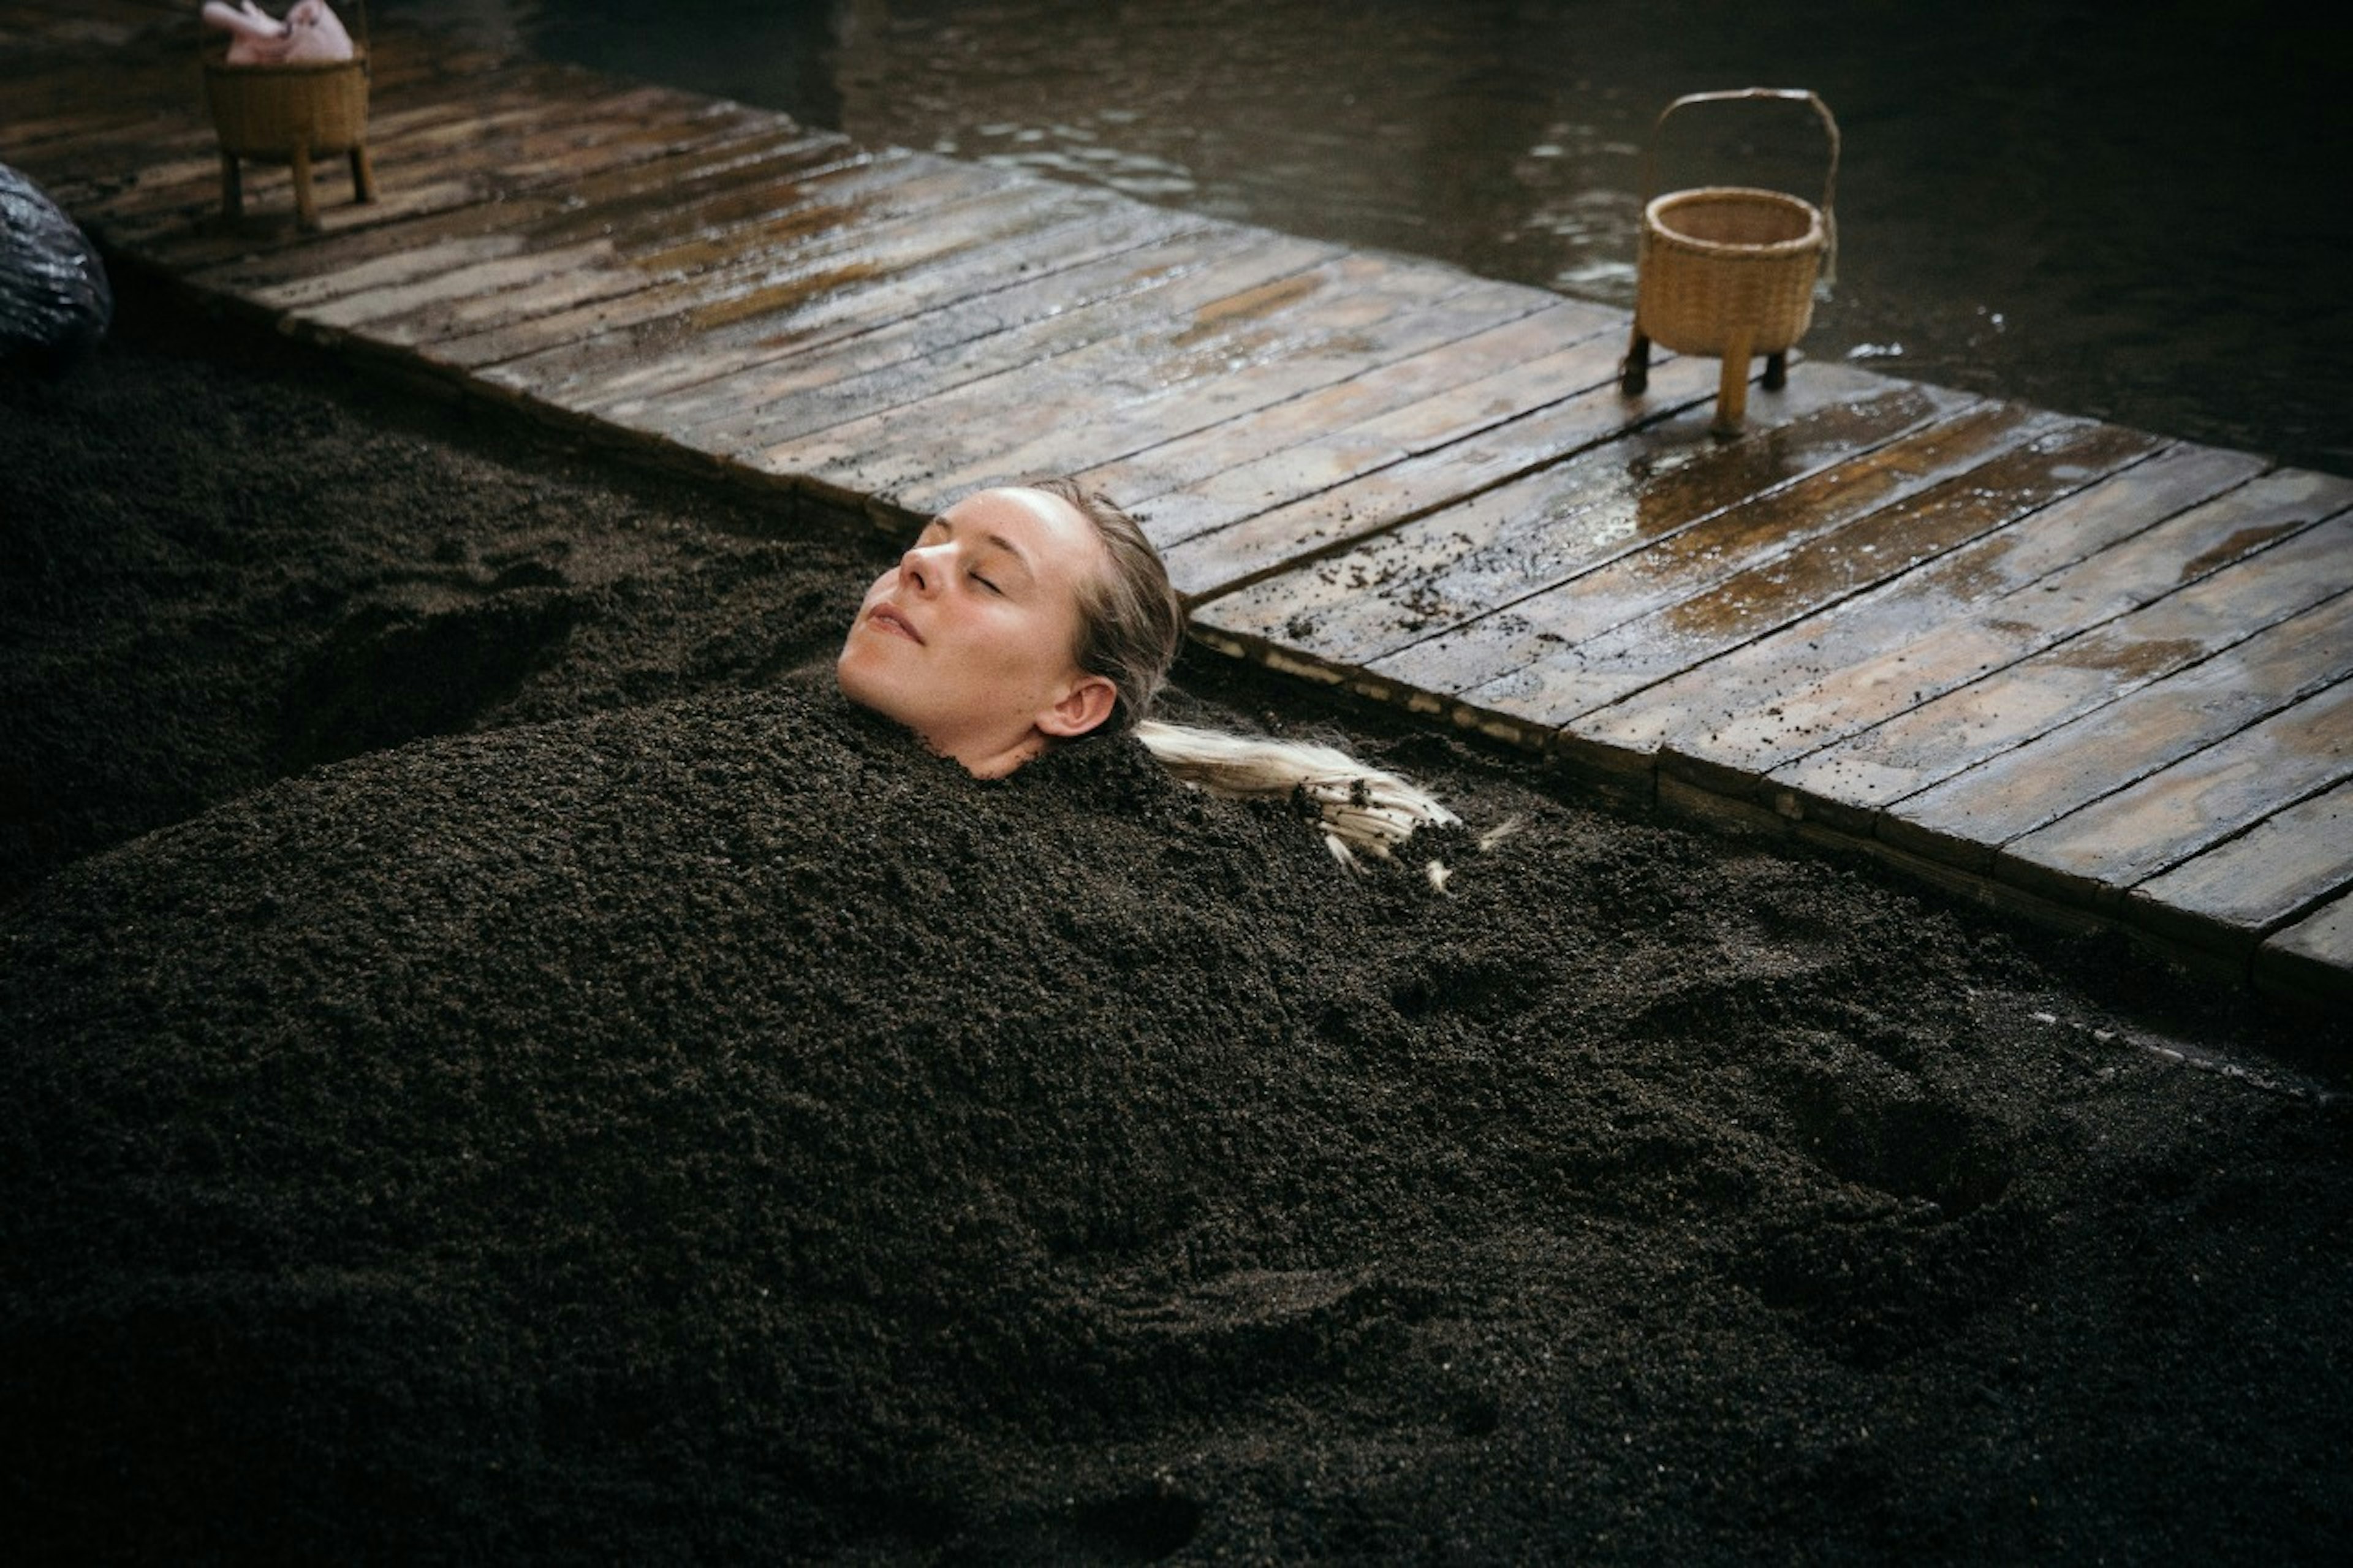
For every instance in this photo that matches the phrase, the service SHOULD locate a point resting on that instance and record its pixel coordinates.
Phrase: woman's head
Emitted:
(1020, 616)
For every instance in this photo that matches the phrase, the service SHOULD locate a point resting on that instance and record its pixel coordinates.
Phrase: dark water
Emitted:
(2137, 214)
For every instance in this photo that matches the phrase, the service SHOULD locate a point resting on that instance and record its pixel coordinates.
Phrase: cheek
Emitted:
(1035, 647)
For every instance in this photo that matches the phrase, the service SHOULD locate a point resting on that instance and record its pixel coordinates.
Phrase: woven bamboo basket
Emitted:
(1725, 258)
(291, 114)
(1729, 270)
(266, 111)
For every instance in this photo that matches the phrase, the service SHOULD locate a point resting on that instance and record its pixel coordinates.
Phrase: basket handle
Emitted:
(367, 51)
(1787, 95)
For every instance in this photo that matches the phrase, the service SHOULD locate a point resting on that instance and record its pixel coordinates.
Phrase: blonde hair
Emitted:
(1131, 626)
(1130, 622)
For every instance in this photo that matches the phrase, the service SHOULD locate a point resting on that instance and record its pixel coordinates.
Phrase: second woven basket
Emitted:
(1729, 270)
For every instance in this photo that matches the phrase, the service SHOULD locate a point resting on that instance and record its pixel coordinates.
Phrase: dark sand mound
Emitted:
(657, 1114)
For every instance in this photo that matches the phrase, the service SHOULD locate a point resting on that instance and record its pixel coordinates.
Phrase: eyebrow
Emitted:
(940, 520)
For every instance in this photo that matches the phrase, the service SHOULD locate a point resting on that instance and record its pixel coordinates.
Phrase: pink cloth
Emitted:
(309, 32)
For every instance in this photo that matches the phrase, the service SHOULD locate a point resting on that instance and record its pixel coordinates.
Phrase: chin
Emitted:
(856, 682)
(876, 688)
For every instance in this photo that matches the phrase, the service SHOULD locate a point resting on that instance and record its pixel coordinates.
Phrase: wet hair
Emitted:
(1131, 621)
(1131, 625)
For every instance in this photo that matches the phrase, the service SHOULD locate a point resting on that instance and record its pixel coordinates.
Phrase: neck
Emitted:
(989, 760)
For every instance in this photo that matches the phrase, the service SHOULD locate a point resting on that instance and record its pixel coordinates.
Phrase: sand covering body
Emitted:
(528, 1082)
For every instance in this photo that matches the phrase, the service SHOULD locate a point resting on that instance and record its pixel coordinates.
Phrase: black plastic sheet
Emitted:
(55, 302)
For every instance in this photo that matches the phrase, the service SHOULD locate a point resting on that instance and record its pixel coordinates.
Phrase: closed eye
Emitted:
(987, 584)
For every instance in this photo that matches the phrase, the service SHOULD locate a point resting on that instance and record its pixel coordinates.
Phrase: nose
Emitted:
(919, 570)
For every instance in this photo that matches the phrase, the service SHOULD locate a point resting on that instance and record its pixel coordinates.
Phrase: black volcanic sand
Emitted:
(502, 1065)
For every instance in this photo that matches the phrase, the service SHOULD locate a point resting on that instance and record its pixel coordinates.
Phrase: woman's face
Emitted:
(969, 641)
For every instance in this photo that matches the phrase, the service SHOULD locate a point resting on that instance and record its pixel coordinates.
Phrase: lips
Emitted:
(883, 617)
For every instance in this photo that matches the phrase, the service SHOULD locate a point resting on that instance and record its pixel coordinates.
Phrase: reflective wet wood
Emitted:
(1857, 663)
(900, 275)
(1824, 568)
(1188, 328)
(2067, 727)
(2206, 798)
(952, 331)
(2245, 888)
(1385, 495)
(1238, 451)
(1986, 726)
(1431, 586)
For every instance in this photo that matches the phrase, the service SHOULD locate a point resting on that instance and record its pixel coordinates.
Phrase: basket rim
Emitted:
(218, 65)
(1654, 220)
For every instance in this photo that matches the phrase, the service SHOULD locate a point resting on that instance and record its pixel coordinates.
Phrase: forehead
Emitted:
(1053, 536)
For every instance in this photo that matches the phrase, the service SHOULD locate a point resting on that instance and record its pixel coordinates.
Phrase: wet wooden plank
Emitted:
(1767, 702)
(865, 368)
(1128, 297)
(179, 206)
(1387, 495)
(31, 137)
(708, 147)
(2016, 787)
(1974, 726)
(2057, 457)
(1406, 587)
(2313, 958)
(95, 137)
(1048, 417)
(1188, 326)
(1396, 312)
(693, 308)
(1966, 642)
(880, 192)
(538, 149)
(17, 34)
(1469, 394)
(726, 273)
(167, 154)
(437, 112)
(295, 275)
(1658, 534)
(184, 153)
(661, 302)
(48, 84)
(1194, 463)
(513, 298)
(591, 132)
(2228, 898)
(2093, 855)
(701, 307)
(101, 24)
(403, 53)
(990, 282)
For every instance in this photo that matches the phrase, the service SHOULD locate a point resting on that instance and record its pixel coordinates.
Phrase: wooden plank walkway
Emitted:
(2062, 666)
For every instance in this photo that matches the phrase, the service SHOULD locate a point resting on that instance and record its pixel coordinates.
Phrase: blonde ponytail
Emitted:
(1359, 807)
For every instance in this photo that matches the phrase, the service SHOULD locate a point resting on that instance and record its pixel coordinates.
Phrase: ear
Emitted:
(1083, 707)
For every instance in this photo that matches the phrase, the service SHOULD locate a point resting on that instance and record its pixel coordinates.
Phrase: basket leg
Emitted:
(232, 187)
(1732, 391)
(362, 176)
(1634, 371)
(306, 202)
(1776, 370)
